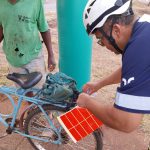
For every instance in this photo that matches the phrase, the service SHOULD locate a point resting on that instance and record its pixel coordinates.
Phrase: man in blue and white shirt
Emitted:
(133, 95)
(116, 27)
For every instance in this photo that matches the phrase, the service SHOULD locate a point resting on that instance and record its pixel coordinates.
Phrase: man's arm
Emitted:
(109, 115)
(1, 33)
(47, 41)
(92, 87)
(114, 78)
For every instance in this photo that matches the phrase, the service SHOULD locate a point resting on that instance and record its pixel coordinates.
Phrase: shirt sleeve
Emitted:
(41, 20)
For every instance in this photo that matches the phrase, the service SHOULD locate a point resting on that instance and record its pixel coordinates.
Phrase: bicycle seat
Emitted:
(25, 81)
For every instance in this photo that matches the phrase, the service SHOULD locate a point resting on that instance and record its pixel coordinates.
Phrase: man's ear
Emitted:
(116, 30)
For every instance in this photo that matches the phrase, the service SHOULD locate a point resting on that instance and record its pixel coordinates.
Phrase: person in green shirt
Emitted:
(20, 24)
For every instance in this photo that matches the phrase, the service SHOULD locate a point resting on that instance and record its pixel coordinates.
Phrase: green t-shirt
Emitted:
(21, 24)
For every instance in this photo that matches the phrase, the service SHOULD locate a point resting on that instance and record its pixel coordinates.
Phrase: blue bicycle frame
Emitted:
(36, 101)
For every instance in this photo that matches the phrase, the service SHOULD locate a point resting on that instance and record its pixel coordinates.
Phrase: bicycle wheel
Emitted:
(36, 125)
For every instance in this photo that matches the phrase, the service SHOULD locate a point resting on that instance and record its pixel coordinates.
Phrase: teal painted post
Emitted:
(75, 46)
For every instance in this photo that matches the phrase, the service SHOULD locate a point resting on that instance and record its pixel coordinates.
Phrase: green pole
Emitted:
(75, 46)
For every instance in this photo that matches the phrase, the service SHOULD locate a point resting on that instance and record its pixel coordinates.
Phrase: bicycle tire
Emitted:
(33, 121)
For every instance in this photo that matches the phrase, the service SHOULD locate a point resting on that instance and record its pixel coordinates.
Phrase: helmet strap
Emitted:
(111, 40)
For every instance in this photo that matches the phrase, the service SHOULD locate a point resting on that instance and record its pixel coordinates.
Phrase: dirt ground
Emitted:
(103, 63)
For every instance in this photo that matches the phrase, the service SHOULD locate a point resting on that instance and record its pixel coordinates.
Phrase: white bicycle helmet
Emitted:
(96, 12)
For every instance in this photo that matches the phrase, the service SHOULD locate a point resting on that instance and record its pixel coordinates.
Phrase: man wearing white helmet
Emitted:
(116, 27)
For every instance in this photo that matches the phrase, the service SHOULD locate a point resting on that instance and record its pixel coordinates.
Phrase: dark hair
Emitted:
(120, 19)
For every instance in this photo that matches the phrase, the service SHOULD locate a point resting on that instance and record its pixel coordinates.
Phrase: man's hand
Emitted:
(90, 88)
(83, 100)
(47, 41)
(51, 63)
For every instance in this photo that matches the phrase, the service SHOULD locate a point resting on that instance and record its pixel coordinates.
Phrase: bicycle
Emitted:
(40, 126)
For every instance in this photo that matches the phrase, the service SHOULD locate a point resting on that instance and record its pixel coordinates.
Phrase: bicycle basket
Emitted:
(59, 87)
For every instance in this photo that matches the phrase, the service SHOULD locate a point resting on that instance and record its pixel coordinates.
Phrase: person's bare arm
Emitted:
(114, 78)
(92, 87)
(46, 36)
(109, 115)
(1, 33)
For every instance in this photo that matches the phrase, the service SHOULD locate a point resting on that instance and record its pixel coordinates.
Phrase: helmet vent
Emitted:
(92, 3)
(86, 16)
(88, 10)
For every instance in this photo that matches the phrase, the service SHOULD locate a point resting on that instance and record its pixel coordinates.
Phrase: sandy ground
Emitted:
(103, 63)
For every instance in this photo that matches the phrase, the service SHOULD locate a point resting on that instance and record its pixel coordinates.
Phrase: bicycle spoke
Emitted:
(38, 125)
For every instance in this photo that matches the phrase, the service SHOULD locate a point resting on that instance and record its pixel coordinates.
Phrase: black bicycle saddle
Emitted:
(25, 81)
